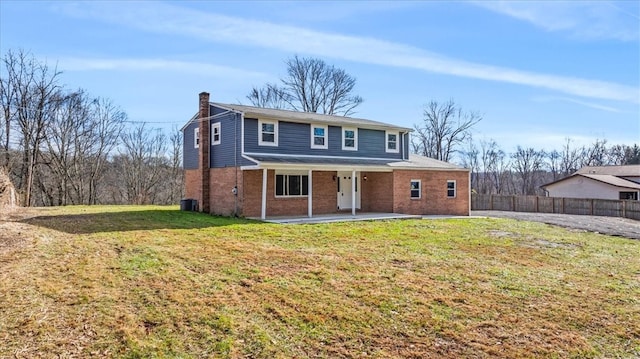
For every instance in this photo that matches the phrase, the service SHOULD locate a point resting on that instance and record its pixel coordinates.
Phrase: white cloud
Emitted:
(203, 69)
(578, 102)
(589, 20)
(169, 19)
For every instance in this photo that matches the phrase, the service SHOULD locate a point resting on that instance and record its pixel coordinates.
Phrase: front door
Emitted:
(345, 193)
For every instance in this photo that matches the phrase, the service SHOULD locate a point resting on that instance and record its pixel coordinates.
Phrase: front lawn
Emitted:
(140, 282)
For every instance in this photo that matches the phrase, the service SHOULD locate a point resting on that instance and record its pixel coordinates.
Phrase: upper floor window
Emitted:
(215, 133)
(416, 192)
(268, 133)
(196, 137)
(392, 141)
(451, 189)
(350, 139)
(319, 136)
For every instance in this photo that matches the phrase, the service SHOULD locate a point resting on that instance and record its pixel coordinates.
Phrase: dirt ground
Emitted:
(613, 226)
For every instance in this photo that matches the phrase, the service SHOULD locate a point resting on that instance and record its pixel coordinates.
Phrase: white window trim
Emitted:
(326, 137)
(386, 141)
(419, 189)
(289, 173)
(214, 126)
(275, 133)
(196, 137)
(355, 139)
(455, 188)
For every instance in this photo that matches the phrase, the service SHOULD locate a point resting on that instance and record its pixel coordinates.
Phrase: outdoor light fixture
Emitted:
(364, 177)
(334, 178)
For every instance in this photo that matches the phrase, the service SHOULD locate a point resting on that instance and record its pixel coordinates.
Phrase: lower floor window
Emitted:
(292, 185)
(451, 189)
(415, 189)
(629, 195)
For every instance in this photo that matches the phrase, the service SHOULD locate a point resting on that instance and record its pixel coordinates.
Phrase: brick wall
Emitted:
(222, 200)
(377, 192)
(252, 194)
(192, 188)
(434, 198)
(381, 192)
(325, 189)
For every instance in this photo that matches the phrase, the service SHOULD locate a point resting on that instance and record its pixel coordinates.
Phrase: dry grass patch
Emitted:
(155, 282)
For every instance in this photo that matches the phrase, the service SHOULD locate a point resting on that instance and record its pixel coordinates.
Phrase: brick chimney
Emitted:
(205, 147)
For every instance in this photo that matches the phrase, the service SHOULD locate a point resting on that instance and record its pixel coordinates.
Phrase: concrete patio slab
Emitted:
(330, 218)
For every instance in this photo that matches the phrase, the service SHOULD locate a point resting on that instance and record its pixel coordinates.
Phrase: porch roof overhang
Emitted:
(328, 163)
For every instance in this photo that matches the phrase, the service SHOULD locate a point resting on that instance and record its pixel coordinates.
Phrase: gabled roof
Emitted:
(613, 180)
(308, 117)
(620, 171)
(608, 179)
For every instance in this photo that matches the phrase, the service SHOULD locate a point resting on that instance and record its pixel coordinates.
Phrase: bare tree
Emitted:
(470, 160)
(107, 123)
(81, 135)
(177, 175)
(444, 127)
(61, 140)
(30, 96)
(270, 95)
(596, 154)
(528, 164)
(311, 85)
(495, 167)
(570, 161)
(142, 160)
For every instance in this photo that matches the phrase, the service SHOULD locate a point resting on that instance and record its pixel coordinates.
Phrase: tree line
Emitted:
(522, 172)
(445, 133)
(60, 146)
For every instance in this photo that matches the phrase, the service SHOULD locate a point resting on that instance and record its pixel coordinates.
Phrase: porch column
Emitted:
(353, 193)
(310, 195)
(263, 211)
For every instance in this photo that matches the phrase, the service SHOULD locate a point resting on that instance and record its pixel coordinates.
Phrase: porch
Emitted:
(337, 217)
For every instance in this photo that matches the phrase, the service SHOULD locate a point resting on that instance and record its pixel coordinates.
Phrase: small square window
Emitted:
(349, 139)
(319, 137)
(215, 133)
(416, 192)
(196, 137)
(451, 189)
(268, 133)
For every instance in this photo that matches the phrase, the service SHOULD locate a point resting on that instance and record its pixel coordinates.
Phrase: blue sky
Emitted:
(538, 72)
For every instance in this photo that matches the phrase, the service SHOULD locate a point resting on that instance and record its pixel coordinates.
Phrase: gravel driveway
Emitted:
(614, 226)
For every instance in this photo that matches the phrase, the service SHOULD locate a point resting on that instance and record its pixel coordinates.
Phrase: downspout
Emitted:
(235, 160)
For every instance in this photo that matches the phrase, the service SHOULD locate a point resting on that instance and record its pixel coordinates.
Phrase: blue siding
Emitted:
(295, 139)
(189, 152)
(224, 155)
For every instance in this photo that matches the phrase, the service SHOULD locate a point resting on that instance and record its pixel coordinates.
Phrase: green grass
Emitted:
(154, 282)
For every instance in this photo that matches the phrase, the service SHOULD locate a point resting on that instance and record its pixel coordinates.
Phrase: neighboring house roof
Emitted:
(608, 179)
(307, 117)
(611, 175)
(414, 162)
(620, 171)
(613, 180)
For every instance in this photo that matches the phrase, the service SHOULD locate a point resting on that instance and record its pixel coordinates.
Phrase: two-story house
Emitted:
(261, 162)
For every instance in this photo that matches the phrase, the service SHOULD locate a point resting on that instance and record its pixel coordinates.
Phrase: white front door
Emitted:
(345, 190)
